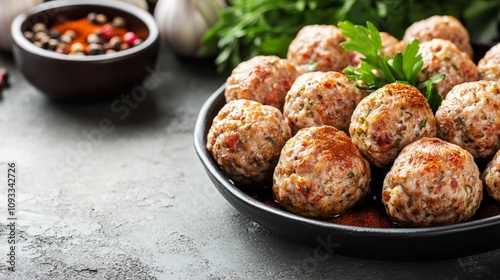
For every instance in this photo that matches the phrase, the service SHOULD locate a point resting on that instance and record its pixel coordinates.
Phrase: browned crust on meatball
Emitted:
(491, 177)
(246, 138)
(317, 48)
(432, 182)
(320, 173)
(389, 119)
(443, 27)
(469, 116)
(489, 65)
(321, 98)
(265, 79)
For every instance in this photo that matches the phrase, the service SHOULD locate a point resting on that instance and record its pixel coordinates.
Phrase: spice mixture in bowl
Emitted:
(85, 50)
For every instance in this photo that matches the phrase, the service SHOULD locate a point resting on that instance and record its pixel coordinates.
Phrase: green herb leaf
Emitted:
(376, 71)
(433, 97)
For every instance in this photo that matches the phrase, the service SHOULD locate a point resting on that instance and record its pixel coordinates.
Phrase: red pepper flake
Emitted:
(4, 79)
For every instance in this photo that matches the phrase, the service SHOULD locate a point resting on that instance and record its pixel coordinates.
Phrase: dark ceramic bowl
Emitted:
(388, 243)
(86, 78)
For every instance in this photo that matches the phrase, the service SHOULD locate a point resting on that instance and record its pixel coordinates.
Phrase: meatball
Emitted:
(432, 182)
(318, 98)
(491, 177)
(470, 118)
(320, 173)
(388, 119)
(443, 27)
(317, 48)
(246, 138)
(488, 67)
(442, 56)
(265, 79)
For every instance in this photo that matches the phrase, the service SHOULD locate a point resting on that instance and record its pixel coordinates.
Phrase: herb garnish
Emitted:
(376, 70)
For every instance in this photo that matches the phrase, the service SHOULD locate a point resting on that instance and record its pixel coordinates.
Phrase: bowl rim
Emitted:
(401, 232)
(144, 16)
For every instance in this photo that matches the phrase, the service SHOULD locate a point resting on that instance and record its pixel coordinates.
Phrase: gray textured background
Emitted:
(135, 203)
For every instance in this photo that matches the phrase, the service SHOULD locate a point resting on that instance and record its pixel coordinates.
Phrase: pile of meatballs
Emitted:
(299, 125)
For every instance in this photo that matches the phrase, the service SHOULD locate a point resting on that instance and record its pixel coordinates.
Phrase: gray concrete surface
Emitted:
(115, 191)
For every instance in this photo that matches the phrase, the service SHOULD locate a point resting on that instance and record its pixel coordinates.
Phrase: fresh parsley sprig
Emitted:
(247, 28)
(377, 70)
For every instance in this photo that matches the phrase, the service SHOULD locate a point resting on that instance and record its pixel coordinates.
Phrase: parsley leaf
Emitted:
(376, 70)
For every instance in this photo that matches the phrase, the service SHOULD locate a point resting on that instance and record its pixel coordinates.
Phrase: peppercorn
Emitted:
(119, 22)
(76, 47)
(94, 49)
(45, 42)
(93, 38)
(29, 35)
(129, 38)
(92, 35)
(53, 44)
(115, 43)
(92, 17)
(54, 34)
(71, 34)
(39, 27)
(40, 35)
(137, 42)
(101, 19)
(107, 31)
(124, 46)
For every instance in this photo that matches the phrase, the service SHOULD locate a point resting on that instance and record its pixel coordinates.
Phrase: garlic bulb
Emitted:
(9, 9)
(182, 23)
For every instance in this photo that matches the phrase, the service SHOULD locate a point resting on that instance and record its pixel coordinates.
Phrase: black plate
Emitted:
(388, 243)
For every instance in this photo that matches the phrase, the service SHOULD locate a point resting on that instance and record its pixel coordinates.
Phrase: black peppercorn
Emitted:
(53, 44)
(94, 49)
(54, 34)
